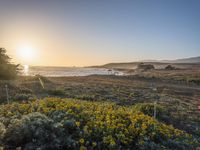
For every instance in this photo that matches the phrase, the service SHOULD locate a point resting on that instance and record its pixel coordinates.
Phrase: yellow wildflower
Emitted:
(78, 124)
(82, 141)
(83, 148)
(94, 144)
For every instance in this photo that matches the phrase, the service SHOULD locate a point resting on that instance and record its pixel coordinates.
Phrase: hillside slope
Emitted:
(180, 63)
(186, 60)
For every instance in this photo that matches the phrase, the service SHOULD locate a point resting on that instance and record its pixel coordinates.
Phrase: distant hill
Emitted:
(180, 63)
(185, 60)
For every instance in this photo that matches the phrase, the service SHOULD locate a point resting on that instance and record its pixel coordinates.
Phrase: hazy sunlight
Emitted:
(26, 53)
(88, 75)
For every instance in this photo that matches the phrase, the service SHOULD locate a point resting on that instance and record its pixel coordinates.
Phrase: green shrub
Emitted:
(35, 131)
(85, 97)
(24, 97)
(56, 92)
(2, 132)
(148, 108)
(194, 80)
(26, 90)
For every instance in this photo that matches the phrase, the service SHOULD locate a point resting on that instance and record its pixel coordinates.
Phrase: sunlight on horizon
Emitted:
(26, 70)
(26, 54)
(70, 33)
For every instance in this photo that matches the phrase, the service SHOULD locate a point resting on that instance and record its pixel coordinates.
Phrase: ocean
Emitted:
(66, 71)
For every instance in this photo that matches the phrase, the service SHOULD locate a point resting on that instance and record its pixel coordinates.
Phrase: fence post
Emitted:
(155, 102)
(7, 93)
(154, 112)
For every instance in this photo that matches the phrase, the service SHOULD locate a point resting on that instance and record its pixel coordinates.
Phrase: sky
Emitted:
(90, 32)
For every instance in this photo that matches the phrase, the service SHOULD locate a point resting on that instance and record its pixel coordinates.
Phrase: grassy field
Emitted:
(177, 100)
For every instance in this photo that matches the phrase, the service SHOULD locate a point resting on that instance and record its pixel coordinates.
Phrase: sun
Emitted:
(26, 53)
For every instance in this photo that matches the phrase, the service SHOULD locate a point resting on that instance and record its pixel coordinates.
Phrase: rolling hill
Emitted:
(180, 63)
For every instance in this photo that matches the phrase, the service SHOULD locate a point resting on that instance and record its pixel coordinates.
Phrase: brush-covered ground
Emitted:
(125, 98)
(76, 124)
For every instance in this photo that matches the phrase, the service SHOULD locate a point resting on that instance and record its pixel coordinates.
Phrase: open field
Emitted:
(179, 98)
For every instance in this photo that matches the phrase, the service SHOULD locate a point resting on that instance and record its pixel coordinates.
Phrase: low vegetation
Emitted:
(177, 103)
(74, 124)
(194, 80)
(7, 69)
(170, 67)
(100, 112)
(145, 67)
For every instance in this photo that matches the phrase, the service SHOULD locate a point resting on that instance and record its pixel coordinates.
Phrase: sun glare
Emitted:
(26, 53)
(26, 69)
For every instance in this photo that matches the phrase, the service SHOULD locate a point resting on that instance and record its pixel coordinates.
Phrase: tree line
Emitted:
(8, 70)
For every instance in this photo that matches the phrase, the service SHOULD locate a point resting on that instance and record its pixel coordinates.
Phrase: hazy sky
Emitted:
(91, 32)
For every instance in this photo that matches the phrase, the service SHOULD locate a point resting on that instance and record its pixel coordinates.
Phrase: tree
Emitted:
(7, 69)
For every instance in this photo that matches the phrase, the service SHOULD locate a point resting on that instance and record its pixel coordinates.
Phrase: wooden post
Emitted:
(7, 93)
(154, 112)
(41, 82)
(155, 102)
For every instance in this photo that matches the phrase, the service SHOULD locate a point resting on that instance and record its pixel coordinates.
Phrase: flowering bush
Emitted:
(2, 131)
(148, 109)
(73, 124)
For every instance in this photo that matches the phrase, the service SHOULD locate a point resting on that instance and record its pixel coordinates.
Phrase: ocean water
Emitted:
(66, 71)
